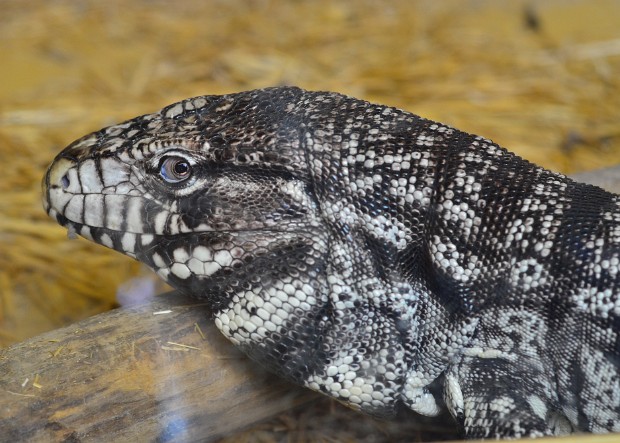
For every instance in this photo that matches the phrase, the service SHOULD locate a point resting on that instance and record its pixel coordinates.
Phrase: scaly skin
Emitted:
(367, 253)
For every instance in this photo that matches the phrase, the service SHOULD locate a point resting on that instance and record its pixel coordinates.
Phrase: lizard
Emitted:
(367, 253)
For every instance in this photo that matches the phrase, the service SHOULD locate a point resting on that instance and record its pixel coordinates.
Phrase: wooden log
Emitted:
(156, 372)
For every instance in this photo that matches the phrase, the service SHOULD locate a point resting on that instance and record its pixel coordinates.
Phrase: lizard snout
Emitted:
(59, 183)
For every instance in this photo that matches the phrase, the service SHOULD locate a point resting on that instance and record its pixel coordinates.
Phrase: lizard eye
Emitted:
(175, 169)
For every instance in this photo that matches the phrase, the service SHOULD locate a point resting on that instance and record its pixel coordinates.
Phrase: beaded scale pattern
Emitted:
(369, 254)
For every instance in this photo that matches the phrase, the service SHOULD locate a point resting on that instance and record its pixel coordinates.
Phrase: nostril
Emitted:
(64, 181)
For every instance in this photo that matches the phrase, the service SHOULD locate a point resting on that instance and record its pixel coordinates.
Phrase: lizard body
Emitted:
(370, 254)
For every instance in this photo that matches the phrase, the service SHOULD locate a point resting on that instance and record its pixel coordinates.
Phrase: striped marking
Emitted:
(106, 240)
(90, 180)
(128, 242)
(160, 222)
(134, 215)
(75, 209)
(86, 233)
(115, 208)
(93, 210)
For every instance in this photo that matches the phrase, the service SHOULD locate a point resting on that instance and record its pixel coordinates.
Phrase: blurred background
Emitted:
(540, 78)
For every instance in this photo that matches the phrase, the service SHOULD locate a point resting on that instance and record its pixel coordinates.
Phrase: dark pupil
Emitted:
(181, 168)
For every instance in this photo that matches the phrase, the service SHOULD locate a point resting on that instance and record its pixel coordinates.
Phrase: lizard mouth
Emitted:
(181, 259)
(128, 243)
(140, 245)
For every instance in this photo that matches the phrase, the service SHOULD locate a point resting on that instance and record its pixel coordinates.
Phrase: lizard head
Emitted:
(195, 191)
(270, 205)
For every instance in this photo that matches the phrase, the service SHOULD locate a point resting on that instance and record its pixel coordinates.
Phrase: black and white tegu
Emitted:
(368, 253)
